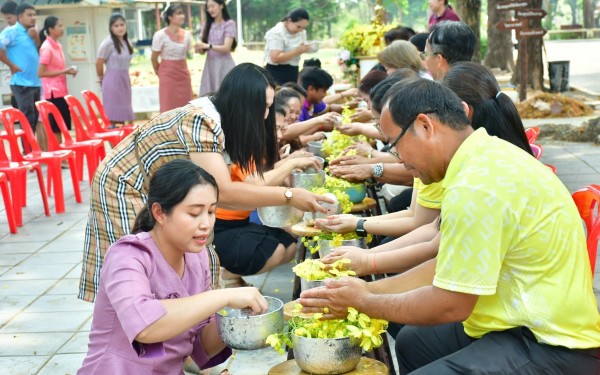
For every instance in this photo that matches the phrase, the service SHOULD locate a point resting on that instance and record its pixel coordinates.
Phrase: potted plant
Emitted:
(359, 47)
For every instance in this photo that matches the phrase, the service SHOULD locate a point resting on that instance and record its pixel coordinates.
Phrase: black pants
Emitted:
(283, 73)
(446, 349)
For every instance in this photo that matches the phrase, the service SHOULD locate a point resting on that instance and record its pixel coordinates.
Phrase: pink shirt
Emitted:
(134, 278)
(51, 55)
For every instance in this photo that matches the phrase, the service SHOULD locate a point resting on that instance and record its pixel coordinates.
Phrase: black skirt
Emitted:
(244, 247)
(283, 73)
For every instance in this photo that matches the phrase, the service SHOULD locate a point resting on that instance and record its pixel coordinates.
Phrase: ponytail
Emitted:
(49, 23)
(144, 221)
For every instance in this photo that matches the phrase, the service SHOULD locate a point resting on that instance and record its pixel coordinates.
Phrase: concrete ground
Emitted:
(44, 328)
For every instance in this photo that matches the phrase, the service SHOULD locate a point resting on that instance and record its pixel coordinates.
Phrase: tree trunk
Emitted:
(500, 48)
(574, 8)
(535, 63)
(588, 14)
(469, 12)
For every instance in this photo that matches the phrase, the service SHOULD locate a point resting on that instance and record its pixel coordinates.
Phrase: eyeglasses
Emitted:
(425, 54)
(392, 146)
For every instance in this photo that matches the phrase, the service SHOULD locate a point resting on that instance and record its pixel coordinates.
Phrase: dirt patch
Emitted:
(547, 105)
(589, 131)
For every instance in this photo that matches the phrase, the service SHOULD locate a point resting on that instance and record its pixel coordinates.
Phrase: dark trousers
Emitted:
(26, 97)
(446, 349)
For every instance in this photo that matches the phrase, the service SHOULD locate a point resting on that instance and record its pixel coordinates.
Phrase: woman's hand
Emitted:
(362, 148)
(304, 163)
(300, 154)
(361, 115)
(318, 136)
(344, 223)
(351, 129)
(358, 258)
(328, 120)
(350, 93)
(72, 71)
(303, 48)
(307, 201)
(201, 47)
(248, 297)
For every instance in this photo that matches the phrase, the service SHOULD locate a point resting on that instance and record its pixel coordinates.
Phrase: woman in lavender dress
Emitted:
(218, 40)
(116, 52)
(155, 305)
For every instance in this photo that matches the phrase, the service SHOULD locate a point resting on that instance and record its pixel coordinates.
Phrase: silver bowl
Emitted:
(240, 330)
(326, 356)
(306, 284)
(279, 216)
(314, 148)
(307, 180)
(325, 245)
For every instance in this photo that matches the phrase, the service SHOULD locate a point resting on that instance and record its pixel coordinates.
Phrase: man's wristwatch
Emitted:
(377, 170)
(360, 228)
(288, 195)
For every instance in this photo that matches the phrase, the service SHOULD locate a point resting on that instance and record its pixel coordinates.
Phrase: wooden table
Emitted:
(366, 366)
(302, 230)
(366, 205)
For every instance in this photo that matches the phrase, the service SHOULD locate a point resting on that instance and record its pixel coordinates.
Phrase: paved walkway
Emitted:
(44, 328)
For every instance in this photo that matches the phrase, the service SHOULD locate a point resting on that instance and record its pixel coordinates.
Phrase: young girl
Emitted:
(116, 52)
(53, 72)
(218, 41)
(155, 306)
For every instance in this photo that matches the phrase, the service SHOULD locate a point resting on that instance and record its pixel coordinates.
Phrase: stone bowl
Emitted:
(326, 356)
(279, 216)
(325, 245)
(242, 331)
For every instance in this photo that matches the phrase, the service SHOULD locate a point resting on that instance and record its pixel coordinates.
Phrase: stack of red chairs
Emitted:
(16, 173)
(93, 150)
(84, 130)
(12, 225)
(91, 101)
(52, 159)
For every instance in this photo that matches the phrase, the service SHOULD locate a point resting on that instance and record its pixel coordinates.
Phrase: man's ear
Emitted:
(467, 110)
(423, 123)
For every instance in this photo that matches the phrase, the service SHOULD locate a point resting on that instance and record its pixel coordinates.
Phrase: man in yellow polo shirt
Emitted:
(511, 289)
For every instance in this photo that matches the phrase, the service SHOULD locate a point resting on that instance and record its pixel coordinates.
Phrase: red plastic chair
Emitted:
(52, 159)
(532, 134)
(537, 150)
(93, 150)
(7, 203)
(16, 172)
(92, 100)
(587, 201)
(551, 167)
(84, 131)
(5, 137)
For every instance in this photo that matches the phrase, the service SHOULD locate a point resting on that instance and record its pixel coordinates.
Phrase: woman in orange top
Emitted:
(247, 248)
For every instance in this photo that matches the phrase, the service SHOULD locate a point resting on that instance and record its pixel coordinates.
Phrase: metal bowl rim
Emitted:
(279, 308)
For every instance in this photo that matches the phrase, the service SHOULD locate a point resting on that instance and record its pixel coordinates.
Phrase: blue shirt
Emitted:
(307, 112)
(21, 50)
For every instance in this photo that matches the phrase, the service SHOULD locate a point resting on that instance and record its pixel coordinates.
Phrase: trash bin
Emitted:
(558, 74)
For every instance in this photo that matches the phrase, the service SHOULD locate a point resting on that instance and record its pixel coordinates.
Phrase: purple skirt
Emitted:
(116, 95)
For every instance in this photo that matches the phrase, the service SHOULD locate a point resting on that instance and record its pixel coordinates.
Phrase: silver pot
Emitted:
(279, 216)
(307, 180)
(326, 356)
(306, 284)
(314, 148)
(240, 330)
(325, 245)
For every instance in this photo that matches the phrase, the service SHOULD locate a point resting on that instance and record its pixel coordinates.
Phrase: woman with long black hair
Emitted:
(218, 41)
(116, 52)
(236, 126)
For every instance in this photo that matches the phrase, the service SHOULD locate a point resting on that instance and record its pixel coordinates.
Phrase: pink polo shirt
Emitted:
(51, 55)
